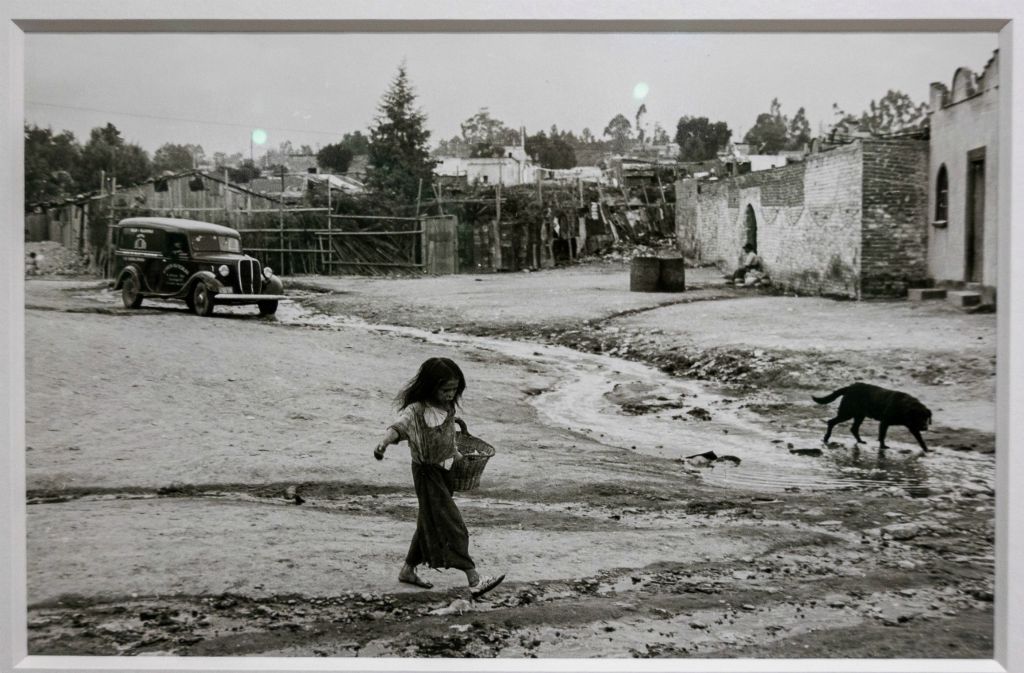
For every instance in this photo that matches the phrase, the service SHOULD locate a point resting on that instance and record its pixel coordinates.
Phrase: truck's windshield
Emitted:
(215, 243)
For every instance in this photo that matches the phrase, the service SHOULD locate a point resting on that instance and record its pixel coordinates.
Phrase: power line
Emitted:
(334, 134)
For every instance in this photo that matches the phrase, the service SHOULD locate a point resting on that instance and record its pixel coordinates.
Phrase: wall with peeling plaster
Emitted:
(846, 222)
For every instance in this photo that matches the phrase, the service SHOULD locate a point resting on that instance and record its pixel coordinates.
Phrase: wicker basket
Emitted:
(475, 452)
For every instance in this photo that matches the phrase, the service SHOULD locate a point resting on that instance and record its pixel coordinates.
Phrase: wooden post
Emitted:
(663, 203)
(227, 200)
(437, 197)
(600, 210)
(329, 257)
(280, 219)
(496, 238)
(424, 243)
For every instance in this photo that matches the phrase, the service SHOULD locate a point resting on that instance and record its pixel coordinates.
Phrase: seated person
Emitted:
(749, 262)
(32, 264)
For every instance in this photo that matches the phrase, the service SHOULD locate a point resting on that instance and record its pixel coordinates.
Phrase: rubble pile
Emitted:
(625, 251)
(56, 260)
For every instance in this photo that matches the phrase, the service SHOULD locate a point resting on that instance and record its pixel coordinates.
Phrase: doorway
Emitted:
(751, 227)
(975, 221)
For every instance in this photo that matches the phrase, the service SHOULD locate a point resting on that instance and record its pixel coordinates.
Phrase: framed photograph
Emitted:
(559, 336)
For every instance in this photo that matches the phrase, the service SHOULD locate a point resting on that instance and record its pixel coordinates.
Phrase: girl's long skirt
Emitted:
(441, 539)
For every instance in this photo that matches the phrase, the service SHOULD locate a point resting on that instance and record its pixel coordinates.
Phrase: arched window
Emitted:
(941, 196)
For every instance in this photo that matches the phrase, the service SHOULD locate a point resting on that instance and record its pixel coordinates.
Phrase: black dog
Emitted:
(888, 407)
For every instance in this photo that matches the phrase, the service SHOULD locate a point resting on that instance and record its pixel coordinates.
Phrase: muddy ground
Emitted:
(166, 451)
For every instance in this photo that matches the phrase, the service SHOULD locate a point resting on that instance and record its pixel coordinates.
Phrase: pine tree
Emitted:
(398, 153)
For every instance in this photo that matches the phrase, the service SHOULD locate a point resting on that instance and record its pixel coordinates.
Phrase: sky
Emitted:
(215, 89)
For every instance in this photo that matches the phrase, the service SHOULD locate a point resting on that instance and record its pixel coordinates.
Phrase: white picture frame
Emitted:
(26, 16)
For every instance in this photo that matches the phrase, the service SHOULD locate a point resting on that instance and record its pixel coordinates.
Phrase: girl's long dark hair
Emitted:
(432, 375)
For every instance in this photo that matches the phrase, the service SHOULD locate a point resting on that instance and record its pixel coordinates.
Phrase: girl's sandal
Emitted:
(415, 580)
(485, 584)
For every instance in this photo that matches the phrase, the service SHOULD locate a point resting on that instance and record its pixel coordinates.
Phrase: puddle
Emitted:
(679, 418)
(588, 399)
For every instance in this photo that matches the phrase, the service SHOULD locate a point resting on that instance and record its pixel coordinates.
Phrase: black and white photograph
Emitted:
(513, 344)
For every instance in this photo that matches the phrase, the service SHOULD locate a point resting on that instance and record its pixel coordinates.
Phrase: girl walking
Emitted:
(426, 421)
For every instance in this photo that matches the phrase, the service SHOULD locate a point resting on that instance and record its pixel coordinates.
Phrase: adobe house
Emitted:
(851, 221)
(512, 168)
(962, 202)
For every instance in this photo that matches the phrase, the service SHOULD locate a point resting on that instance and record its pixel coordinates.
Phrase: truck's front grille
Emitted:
(249, 277)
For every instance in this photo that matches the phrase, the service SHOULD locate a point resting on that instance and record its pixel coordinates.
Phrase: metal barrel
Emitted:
(644, 273)
(673, 275)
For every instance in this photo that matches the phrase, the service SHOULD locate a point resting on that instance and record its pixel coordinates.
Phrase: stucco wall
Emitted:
(508, 171)
(956, 129)
(808, 221)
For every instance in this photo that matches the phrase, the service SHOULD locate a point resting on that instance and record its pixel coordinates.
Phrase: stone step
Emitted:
(963, 298)
(922, 293)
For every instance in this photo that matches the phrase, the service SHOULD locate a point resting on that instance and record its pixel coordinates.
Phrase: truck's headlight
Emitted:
(223, 270)
(268, 272)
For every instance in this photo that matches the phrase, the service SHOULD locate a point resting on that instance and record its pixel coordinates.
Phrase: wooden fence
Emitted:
(318, 242)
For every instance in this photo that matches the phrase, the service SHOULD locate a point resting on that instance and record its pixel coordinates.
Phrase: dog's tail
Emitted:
(830, 397)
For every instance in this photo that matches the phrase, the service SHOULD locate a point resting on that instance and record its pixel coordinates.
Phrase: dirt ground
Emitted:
(166, 451)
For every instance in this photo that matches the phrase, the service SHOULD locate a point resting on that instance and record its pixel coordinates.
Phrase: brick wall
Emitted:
(895, 220)
(807, 217)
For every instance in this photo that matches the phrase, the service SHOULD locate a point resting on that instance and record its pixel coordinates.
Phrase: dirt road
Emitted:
(166, 450)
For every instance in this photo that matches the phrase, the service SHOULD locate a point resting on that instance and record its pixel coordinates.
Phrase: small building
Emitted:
(514, 167)
(850, 221)
(631, 171)
(739, 159)
(589, 174)
(963, 180)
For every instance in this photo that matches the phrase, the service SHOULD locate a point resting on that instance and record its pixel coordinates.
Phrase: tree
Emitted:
(660, 136)
(699, 139)
(894, 113)
(176, 158)
(335, 157)
(107, 151)
(487, 136)
(621, 132)
(551, 152)
(482, 128)
(244, 173)
(640, 112)
(587, 136)
(399, 157)
(799, 132)
(222, 160)
(770, 131)
(50, 161)
(356, 142)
